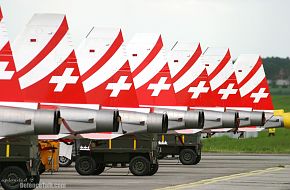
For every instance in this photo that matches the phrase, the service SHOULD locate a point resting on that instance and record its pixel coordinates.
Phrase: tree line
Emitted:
(277, 68)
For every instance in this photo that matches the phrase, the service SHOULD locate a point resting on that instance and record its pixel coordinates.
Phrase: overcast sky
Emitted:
(245, 26)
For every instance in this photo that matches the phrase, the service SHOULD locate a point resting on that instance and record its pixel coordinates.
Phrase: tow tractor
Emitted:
(138, 152)
(19, 162)
(187, 147)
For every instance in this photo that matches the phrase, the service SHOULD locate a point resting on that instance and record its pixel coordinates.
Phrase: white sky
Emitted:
(245, 26)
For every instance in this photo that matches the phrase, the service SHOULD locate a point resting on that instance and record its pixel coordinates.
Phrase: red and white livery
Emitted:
(150, 71)
(253, 86)
(189, 77)
(8, 80)
(222, 77)
(48, 74)
(105, 70)
(108, 81)
(46, 62)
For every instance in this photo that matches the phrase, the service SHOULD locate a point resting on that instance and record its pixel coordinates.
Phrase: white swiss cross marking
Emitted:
(63, 80)
(117, 87)
(157, 87)
(198, 90)
(228, 91)
(5, 75)
(259, 95)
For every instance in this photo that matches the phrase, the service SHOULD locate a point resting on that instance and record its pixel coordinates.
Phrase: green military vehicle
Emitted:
(187, 146)
(138, 151)
(19, 162)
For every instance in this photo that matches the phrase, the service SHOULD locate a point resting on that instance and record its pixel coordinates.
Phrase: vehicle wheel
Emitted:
(64, 161)
(11, 177)
(100, 168)
(41, 168)
(139, 166)
(153, 169)
(85, 165)
(187, 156)
(198, 158)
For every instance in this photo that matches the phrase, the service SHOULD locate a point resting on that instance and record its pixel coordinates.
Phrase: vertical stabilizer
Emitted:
(254, 89)
(45, 61)
(222, 77)
(105, 70)
(150, 70)
(189, 76)
(9, 85)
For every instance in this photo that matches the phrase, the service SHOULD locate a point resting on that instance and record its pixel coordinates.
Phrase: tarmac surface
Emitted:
(215, 171)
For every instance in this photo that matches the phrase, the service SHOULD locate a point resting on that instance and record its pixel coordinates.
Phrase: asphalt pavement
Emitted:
(215, 171)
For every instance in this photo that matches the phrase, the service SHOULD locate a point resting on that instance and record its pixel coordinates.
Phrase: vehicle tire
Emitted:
(41, 168)
(64, 161)
(85, 165)
(153, 169)
(187, 156)
(139, 166)
(100, 168)
(12, 176)
(198, 158)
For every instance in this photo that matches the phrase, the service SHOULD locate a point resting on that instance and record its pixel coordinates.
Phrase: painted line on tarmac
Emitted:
(222, 178)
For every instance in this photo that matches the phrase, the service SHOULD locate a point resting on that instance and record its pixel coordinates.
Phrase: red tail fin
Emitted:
(45, 61)
(9, 85)
(254, 89)
(150, 70)
(189, 76)
(105, 71)
(222, 77)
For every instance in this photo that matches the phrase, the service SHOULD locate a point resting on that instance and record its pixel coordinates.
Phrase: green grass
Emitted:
(262, 144)
(281, 102)
(280, 143)
(280, 91)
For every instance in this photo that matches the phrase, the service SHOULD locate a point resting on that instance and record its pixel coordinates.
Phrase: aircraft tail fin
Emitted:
(252, 81)
(46, 62)
(8, 80)
(222, 77)
(150, 70)
(190, 80)
(105, 70)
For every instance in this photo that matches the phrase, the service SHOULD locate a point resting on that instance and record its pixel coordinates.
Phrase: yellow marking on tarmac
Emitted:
(8, 150)
(222, 178)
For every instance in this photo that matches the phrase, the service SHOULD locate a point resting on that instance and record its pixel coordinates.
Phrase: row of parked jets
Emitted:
(107, 87)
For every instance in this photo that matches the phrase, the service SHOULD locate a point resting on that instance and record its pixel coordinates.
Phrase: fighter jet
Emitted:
(107, 79)
(223, 82)
(254, 90)
(221, 72)
(14, 120)
(156, 87)
(30, 78)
